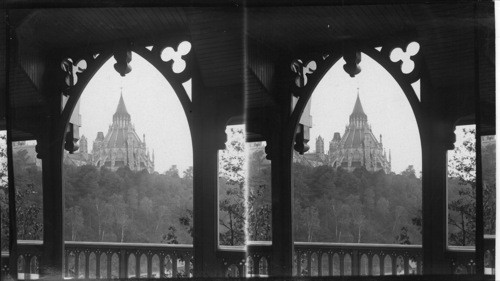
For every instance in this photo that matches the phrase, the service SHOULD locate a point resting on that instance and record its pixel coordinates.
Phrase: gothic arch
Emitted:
(309, 77)
(153, 54)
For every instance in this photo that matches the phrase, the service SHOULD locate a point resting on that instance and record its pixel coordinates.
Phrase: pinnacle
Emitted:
(358, 108)
(121, 109)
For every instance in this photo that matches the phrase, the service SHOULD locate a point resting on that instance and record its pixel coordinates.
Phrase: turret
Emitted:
(83, 144)
(100, 136)
(320, 145)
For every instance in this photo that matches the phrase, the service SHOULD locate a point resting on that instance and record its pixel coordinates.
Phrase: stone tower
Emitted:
(121, 146)
(83, 145)
(320, 145)
(358, 147)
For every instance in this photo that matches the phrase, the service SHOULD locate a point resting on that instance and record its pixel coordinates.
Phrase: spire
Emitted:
(121, 109)
(358, 117)
(358, 108)
(121, 115)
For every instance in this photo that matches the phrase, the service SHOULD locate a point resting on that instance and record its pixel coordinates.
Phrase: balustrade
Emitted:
(105, 260)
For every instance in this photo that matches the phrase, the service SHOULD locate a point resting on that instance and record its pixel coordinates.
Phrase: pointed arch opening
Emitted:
(131, 177)
(360, 180)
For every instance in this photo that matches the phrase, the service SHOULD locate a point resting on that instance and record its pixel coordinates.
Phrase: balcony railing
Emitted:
(100, 260)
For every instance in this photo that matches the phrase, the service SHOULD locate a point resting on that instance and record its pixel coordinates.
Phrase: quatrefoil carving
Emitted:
(302, 70)
(169, 54)
(72, 70)
(408, 65)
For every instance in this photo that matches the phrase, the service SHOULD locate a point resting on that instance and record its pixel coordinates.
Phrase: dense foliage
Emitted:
(462, 189)
(127, 206)
(329, 205)
(333, 205)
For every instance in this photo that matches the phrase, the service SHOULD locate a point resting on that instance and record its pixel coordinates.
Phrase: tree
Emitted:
(170, 237)
(232, 173)
(121, 217)
(259, 195)
(409, 172)
(310, 220)
(4, 196)
(462, 169)
(357, 215)
(187, 221)
(74, 220)
(173, 172)
(488, 149)
(188, 173)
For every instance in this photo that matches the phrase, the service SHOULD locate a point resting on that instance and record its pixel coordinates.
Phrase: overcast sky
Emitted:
(383, 101)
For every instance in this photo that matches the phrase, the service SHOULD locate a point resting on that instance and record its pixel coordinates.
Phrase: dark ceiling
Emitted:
(224, 37)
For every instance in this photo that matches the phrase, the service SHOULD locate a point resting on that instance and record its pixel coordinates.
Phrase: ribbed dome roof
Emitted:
(353, 138)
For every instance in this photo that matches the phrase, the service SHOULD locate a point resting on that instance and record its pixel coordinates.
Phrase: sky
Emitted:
(156, 111)
(388, 110)
(153, 105)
